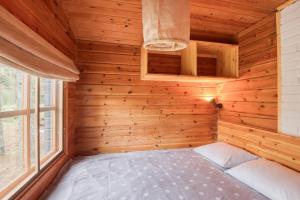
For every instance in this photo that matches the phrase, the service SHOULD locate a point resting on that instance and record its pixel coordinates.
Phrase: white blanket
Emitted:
(154, 175)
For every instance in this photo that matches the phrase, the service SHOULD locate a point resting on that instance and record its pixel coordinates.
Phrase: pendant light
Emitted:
(166, 24)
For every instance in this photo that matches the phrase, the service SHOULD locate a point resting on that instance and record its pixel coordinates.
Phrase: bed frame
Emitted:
(280, 148)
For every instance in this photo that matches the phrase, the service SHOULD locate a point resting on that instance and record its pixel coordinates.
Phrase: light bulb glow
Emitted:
(208, 98)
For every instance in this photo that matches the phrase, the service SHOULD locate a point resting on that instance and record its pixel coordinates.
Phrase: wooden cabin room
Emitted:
(150, 99)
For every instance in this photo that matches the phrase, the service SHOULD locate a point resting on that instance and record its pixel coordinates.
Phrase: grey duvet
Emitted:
(153, 175)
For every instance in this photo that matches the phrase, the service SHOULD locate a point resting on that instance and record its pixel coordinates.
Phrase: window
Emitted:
(31, 130)
(289, 70)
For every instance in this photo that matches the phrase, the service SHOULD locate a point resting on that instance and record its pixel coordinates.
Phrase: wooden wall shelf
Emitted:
(200, 62)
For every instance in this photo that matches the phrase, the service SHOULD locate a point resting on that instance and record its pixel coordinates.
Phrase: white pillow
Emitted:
(225, 155)
(269, 178)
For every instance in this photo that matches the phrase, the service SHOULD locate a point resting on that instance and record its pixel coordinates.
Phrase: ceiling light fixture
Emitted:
(166, 24)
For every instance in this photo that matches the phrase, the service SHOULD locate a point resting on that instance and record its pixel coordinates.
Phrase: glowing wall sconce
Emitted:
(216, 104)
(208, 98)
(214, 101)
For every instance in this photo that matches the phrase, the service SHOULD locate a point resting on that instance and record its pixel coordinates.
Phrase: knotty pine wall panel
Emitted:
(206, 66)
(277, 147)
(119, 112)
(120, 21)
(47, 19)
(252, 99)
(164, 63)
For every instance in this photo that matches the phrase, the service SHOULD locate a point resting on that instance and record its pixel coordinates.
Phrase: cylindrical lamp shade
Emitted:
(166, 24)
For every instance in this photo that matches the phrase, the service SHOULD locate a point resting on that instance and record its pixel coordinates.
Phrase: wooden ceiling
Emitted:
(120, 21)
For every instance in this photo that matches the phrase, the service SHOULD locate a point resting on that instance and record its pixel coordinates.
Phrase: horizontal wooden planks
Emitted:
(142, 90)
(252, 99)
(130, 111)
(164, 64)
(101, 75)
(255, 120)
(152, 130)
(281, 148)
(120, 21)
(125, 148)
(93, 57)
(206, 66)
(259, 108)
(141, 100)
(119, 112)
(47, 20)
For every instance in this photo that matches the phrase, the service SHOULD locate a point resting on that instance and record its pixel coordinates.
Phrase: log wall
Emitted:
(252, 99)
(277, 147)
(119, 112)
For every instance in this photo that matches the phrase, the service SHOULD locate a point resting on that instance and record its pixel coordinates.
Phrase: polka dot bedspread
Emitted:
(180, 174)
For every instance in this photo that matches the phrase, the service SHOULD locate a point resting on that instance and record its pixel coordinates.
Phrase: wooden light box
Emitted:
(200, 62)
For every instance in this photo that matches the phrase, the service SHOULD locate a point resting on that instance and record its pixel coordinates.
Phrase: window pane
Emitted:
(46, 133)
(15, 164)
(11, 150)
(32, 138)
(11, 89)
(46, 92)
(33, 81)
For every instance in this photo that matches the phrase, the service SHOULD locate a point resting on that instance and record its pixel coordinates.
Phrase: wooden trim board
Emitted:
(285, 4)
(277, 147)
(278, 38)
(185, 78)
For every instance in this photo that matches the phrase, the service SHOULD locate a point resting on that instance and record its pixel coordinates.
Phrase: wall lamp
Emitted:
(216, 104)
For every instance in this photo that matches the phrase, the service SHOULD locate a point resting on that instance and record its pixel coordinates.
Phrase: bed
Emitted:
(154, 175)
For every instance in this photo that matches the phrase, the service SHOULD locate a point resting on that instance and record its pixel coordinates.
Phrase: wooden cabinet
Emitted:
(200, 62)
